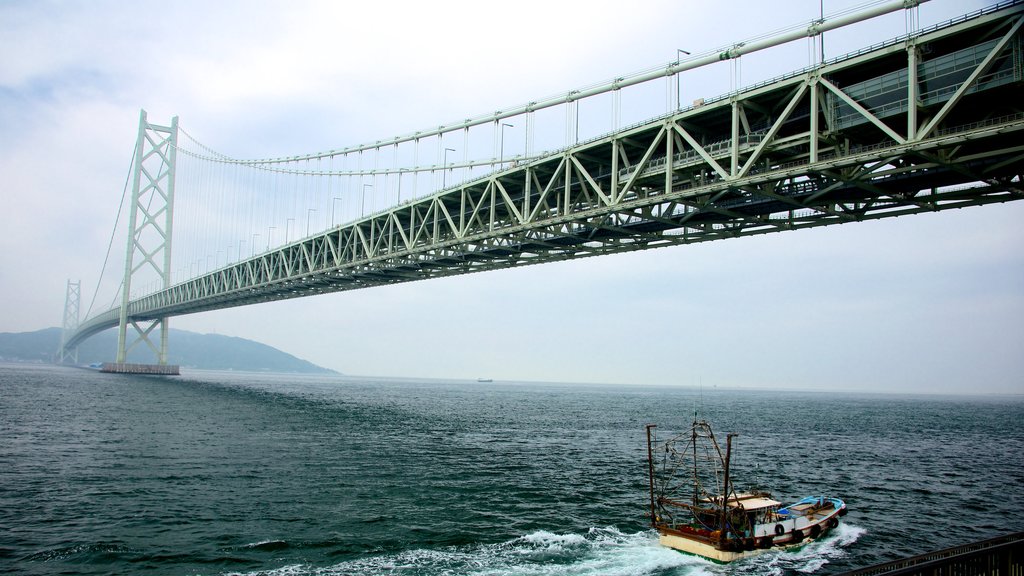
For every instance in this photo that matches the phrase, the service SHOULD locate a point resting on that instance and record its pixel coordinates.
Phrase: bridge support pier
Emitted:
(150, 369)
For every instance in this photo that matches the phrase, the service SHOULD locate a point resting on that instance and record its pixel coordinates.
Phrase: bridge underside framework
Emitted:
(924, 123)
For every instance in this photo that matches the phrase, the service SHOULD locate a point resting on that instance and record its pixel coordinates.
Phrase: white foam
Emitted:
(806, 559)
(602, 551)
(599, 552)
(547, 538)
(265, 543)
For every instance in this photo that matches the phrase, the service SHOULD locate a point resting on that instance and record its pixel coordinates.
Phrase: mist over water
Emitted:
(221, 473)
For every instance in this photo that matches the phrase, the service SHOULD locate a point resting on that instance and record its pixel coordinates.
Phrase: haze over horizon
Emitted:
(928, 303)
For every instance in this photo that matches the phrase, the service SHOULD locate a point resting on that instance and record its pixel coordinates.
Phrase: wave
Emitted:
(79, 552)
(805, 559)
(268, 545)
(601, 551)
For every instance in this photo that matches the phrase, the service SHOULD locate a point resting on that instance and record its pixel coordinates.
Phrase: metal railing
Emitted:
(1002, 556)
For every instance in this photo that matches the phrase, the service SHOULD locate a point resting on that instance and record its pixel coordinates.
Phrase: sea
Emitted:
(224, 473)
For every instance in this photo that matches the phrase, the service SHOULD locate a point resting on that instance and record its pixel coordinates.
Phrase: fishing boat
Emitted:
(696, 509)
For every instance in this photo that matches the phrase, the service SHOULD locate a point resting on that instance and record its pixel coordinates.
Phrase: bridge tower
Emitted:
(150, 221)
(71, 308)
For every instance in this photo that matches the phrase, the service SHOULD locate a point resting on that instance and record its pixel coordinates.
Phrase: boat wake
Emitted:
(805, 559)
(601, 551)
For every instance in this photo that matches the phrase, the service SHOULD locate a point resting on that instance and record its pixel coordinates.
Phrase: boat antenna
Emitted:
(696, 406)
(700, 392)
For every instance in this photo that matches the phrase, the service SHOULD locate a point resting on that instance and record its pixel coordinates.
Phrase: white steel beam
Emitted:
(978, 71)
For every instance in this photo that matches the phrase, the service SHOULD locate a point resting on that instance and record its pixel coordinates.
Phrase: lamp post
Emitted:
(309, 214)
(269, 231)
(254, 237)
(821, 35)
(679, 53)
(287, 229)
(444, 168)
(501, 157)
(334, 204)
(362, 206)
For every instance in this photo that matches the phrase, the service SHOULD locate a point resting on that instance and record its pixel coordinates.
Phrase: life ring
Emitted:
(780, 529)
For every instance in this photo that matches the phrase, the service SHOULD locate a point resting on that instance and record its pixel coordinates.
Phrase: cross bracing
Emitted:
(72, 306)
(929, 123)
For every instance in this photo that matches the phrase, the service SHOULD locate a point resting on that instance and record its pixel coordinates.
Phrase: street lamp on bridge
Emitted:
(309, 214)
(362, 206)
(679, 54)
(444, 168)
(501, 154)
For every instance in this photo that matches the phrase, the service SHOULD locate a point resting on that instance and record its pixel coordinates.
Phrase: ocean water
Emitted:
(230, 473)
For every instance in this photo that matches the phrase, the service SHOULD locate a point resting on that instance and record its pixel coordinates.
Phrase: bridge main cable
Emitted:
(816, 28)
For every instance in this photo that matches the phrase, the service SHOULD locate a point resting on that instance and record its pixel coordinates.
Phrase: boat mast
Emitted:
(650, 475)
(695, 471)
(726, 491)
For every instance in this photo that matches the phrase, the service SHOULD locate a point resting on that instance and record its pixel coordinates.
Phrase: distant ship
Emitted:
(484, 380)
(695, 508)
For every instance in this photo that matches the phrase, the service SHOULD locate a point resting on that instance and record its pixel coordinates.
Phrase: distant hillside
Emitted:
(188, 349)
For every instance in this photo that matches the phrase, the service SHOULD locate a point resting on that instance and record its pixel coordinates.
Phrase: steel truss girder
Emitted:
(769, 159)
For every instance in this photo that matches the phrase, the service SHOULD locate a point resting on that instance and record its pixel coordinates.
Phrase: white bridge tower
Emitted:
(150, 221)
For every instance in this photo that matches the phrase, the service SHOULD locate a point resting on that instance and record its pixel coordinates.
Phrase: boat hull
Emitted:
(704, 550)
(795, 527)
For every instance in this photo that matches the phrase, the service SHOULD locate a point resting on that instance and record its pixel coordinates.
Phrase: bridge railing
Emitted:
(1002, 556)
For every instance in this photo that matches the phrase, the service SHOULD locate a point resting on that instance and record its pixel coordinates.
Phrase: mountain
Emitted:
(187, 349)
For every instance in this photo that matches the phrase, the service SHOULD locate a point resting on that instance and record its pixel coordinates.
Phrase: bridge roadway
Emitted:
(922, 123)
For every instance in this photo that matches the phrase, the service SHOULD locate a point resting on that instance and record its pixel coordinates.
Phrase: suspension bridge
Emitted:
(928, 121)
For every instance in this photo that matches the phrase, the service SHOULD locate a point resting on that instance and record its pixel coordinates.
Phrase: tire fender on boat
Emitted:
(798, 535)
(833, 522)
(780, 529)
(815, 531)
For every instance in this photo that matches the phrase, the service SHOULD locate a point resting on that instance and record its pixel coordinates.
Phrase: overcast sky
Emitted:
(924, 303)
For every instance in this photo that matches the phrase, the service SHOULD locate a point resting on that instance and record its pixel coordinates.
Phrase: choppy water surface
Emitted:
(266, 474)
